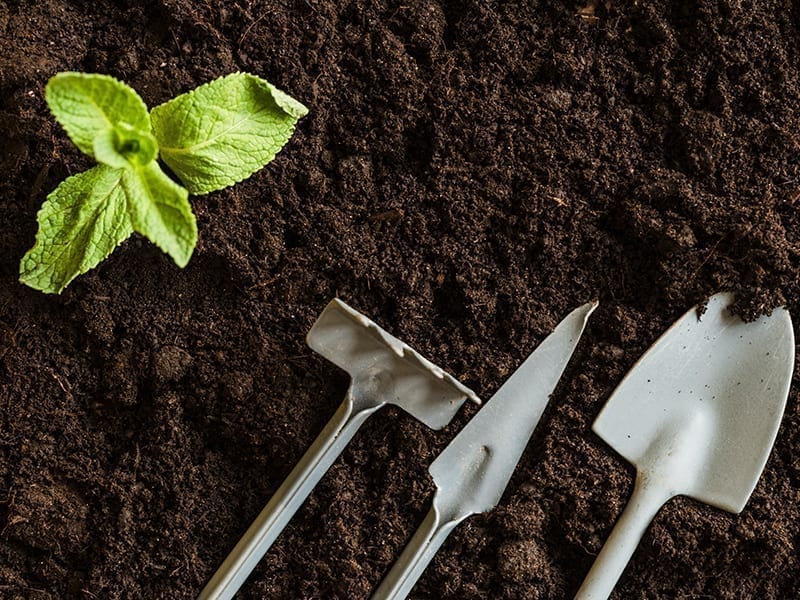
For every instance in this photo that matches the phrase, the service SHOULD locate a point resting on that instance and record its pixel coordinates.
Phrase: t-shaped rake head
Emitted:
(383, 370)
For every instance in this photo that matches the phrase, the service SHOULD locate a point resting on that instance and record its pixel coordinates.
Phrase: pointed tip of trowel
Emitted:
(587, 310)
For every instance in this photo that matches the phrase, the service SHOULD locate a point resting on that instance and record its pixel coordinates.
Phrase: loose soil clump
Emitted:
(469, 172)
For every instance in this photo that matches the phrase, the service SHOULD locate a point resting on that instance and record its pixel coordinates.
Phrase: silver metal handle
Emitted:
(254, 544)
(415, 558)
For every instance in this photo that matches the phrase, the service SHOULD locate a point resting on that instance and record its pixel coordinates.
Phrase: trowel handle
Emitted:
(415, 557)
(285, 502)
(648, 497)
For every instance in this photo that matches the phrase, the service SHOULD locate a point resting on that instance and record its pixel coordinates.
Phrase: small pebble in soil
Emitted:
(237, 385)
(170, 363)
(521, 560)
(50, 517)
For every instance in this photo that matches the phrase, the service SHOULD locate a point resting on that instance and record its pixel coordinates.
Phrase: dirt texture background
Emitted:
(469, 172)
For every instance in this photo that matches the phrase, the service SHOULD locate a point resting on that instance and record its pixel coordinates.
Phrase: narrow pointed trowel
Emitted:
(472, 472)
(697, 415)
(383, 371)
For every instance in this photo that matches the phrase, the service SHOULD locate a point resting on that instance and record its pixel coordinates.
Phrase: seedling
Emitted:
(212, 137)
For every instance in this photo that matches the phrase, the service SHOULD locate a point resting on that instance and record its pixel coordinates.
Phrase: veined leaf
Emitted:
(87, 104)
(80, 224)
(212, 137)
(224, 131)
(159, 209)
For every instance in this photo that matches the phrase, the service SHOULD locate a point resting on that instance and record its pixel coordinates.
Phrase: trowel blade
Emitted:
(712, 386)
(473, 471)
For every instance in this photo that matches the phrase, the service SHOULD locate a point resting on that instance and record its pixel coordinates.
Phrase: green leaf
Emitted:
(80, 224)
(88, 104)
(123, 146)
(224, 131)
(159, 209)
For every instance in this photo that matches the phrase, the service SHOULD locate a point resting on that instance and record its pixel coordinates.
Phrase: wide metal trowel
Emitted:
(474, 469)
(697, 415)
(383, 371)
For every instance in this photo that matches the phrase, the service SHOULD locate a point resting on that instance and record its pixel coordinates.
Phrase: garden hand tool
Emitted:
(383, 371)
(697, 415)
(472, 472)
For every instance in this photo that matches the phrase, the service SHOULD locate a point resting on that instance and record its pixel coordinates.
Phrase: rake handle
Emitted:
(254, 544)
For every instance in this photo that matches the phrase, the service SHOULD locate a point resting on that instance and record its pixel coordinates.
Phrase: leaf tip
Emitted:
(183, 260)
(292, 107)
(30, 279)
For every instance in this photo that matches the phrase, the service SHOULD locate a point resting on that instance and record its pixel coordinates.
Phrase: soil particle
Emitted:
(51, 517)
(170, 363)
(468, 173)
(522, 560)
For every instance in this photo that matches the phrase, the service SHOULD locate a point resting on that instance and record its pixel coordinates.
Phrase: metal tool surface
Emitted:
(473, 471)
(697, 415)
(383, 371)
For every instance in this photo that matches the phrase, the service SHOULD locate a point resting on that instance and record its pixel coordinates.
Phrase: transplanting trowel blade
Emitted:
(474, 469)
(490, 445)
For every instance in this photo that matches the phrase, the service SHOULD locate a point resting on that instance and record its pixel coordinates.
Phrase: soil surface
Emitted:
(469, 172)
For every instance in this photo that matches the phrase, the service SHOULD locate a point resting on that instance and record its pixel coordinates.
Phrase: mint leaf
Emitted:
(123, 146)
(224, 131)
(88, 104)
(159, 209)
(212, 137)
(80, 224)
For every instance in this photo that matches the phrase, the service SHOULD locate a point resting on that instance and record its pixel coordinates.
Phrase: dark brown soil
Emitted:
(469, 172)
